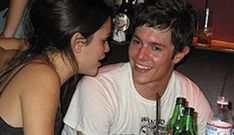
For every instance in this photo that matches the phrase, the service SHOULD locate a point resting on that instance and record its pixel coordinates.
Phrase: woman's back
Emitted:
(33, 84)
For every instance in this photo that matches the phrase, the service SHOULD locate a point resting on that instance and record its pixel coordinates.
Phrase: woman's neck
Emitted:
(62, 67)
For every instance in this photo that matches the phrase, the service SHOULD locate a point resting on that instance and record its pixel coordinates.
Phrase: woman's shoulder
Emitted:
(37, 76)
(42, 72)
(33, 85)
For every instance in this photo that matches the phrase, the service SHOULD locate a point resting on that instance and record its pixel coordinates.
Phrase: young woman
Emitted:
(64, 37)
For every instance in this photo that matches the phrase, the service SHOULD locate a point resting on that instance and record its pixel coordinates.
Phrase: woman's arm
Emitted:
(39, 98)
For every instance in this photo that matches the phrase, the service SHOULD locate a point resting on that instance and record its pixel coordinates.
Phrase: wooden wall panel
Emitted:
(223, 21)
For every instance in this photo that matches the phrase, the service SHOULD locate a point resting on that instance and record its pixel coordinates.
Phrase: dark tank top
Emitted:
(6, 129)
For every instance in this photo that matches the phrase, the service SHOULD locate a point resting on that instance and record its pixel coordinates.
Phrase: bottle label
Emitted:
(121, 22)
(218, 128)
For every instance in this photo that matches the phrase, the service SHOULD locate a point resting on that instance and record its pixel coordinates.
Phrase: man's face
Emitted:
(151, 56)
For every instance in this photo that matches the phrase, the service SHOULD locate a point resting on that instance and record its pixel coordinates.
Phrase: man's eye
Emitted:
(136, 42)
(156, 48)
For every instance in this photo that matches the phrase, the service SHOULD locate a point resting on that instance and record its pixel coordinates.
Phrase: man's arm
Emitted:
(8, 48)
(5, 56)
(12, 44)
(14, 15)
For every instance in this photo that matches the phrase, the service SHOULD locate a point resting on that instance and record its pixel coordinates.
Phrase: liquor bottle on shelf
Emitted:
(173, 123)
(187, 123)
(122, 20)
(221, 122)
(205, 30)
(205, 33)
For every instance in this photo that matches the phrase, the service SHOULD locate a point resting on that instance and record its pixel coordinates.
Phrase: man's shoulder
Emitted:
(186, 85)
(181, 76)
(112, 68)
(184, 80)
(111, 72)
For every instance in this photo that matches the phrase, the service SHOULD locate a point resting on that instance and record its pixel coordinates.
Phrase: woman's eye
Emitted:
(104, 41)
(107, 39)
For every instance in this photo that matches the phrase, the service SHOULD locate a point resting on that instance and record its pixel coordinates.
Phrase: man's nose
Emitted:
(143, 53)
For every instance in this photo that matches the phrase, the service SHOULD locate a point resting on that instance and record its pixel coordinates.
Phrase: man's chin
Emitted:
(140, 80)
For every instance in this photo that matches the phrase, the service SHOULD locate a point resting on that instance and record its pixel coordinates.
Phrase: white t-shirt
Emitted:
(108, 104)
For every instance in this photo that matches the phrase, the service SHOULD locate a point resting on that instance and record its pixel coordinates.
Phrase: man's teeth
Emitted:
(143, 67)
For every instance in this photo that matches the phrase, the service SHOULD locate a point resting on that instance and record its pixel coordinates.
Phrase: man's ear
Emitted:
(77, 42)
(180, 55)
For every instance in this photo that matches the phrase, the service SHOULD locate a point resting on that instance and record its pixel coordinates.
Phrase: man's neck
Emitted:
(150, 90)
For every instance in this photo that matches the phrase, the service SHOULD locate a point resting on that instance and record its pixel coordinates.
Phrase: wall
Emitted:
(223, 21)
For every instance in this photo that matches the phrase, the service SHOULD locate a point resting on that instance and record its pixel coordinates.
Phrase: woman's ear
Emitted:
(77, 42)
(180, 55)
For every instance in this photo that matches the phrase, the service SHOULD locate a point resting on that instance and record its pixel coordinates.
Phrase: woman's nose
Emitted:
(107, 47)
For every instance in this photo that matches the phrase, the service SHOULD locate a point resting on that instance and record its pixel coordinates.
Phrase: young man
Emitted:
(121, 99)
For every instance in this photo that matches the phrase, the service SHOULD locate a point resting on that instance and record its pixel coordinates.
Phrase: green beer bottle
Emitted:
(174, 121)
(187, 124)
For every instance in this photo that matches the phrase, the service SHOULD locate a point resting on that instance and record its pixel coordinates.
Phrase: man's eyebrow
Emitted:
(151, 43)
(135, 36)
(157, 44)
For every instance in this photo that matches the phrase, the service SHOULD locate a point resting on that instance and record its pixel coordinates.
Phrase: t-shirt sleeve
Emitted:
(198, 101)
(203, 111)
(90, 108)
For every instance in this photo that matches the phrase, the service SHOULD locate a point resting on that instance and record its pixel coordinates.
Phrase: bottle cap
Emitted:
(180, 100)
(189, 110)
(222, 100)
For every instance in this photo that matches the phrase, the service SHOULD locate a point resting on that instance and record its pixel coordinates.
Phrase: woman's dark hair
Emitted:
(50, 25)
(175, 15)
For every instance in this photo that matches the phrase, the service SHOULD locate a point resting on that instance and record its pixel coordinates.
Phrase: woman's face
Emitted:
(90, 55)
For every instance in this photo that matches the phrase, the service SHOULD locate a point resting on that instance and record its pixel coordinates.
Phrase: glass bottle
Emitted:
(205, 33)
(173, 123)
(221, 122)
(122, 21)
(187, 123)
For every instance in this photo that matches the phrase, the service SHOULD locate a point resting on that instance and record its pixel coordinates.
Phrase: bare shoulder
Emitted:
(39, 93)
(36, 89)
(40, 77)
(41, 70)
